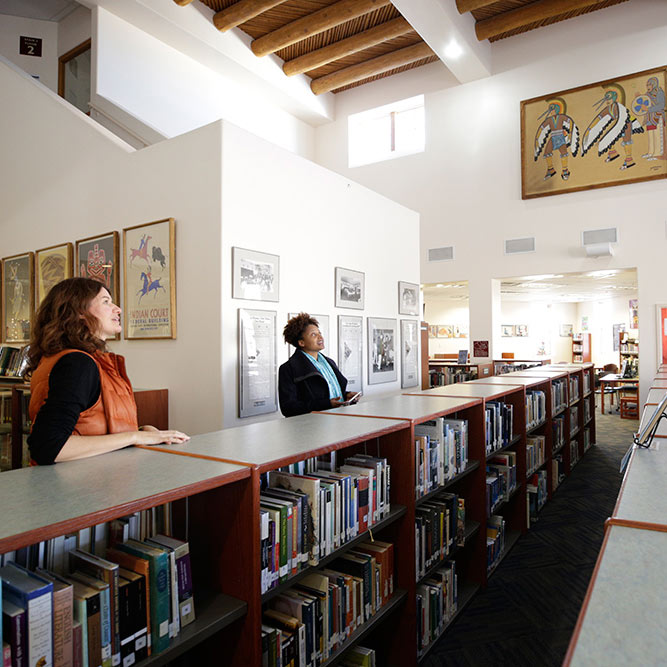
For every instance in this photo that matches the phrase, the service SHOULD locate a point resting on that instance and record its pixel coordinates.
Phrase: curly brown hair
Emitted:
(293, 331)
(63, 321)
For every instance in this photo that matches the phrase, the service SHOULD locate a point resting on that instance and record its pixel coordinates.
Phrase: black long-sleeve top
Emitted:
(74, 386)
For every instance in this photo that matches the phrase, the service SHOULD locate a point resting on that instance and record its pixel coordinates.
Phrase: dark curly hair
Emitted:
(293, 331)
(63, 321)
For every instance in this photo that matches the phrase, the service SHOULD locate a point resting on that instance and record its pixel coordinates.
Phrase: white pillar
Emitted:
(484, 307)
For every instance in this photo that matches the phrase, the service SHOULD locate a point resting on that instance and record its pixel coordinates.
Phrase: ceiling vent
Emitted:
(513, 246)
(441, 254)
(597, 236)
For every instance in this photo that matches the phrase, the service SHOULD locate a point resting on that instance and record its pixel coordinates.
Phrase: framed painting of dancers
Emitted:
(594, 136)
(149, 280)
(18, 297)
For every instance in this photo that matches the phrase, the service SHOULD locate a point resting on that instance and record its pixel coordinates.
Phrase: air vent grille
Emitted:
(593, 236)
(513, 246)
(440, 254)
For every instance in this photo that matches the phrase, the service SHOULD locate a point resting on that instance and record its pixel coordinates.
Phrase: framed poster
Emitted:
(52, 265)
(409, 353)
(382, 343)
(324, 330)
(350, 288)
(18, 297)
(350, 350)
(507, 330)
(521, 330)
(634, 313)
(97, 258)
(408, 298)
(480, 348)
(255, 275)
(566, 330)
(616, 330)
(605, 133)
(432, 330)
(149, 280)
(257, 362)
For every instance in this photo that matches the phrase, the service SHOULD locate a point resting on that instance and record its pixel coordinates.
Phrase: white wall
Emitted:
(447, 311)
(466, 185)
(74, 29)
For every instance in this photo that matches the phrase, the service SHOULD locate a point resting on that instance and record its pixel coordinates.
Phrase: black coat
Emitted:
(302, 388)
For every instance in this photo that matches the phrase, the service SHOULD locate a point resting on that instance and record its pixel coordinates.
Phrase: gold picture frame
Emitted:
(52, 265)
(149, 280)
(18, 297)
(602, 134)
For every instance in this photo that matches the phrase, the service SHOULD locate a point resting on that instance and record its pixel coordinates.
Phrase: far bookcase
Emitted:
(581, 348)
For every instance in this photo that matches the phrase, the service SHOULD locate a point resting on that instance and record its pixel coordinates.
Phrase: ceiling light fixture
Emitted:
(453, 50)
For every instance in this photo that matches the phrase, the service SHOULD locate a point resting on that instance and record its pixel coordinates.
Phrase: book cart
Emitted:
(44, 502)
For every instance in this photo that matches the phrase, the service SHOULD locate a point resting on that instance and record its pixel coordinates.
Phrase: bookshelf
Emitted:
(501, 366)
(628, 347)
(581, 348)
(443, 372)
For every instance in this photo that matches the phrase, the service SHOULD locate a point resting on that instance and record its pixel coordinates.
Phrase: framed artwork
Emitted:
(445, 331)
(149, 280)
(255, 275)
(350, 288)
(616, 330)
(408, 298)
(584, 323)
(97, 258)
(257, 362)
(382, 343)
(606, 133)
(507, 330)
(52, 265)
(409, 353)
(521, 330)
(634, 313)
(480, 348)
(566, 330)
(350, 350)
(18, 297)
(432, 330)
(661, 337)
(324, 330)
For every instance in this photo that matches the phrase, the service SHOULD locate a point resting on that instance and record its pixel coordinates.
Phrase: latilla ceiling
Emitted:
(341, 44)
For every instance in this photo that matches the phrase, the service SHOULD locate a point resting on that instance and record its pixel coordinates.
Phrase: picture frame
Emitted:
(480, 349)
(52, 265)
(432, 330)
(255, 275)
(350, 288)
(382, 344)
(507, 330)
(409, 353)
(566, 330)
(521, 330)
(97, 257)
(18, 297)
(324, 330)
(257, 362)
(351, 350)
(408, 298)
(588, 149)
(149, 280)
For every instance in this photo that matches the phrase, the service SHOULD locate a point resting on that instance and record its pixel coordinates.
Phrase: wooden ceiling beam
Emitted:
(319, 21)
(183, 3)
(471, 5)
(373, 67)
(522, 16)
(363, 40)
(240, 12)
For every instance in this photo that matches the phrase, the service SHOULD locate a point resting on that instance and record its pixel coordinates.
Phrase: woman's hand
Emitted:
(149, 435)
(336, 402)
(350, 395)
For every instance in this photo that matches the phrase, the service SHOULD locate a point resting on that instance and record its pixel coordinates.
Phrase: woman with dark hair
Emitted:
(81, 400)
(308, 380)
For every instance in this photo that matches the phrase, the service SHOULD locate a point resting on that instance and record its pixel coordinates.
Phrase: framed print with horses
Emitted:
(606, 133)
(149, 280)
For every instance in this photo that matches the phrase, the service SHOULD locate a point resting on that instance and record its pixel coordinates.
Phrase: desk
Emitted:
(614, 378)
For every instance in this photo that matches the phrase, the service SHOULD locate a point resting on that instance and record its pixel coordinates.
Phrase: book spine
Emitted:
(77, 645)
(16, 631)
(40, 628)
(6, 655)
(185, 599)
(94, 631)
(105, 620)
(62, 627)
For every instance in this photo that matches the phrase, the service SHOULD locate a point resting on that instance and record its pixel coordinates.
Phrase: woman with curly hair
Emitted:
(81, 400)
(308, 380)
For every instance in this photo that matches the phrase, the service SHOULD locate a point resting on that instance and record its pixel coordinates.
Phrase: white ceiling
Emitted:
(42, 10)
(563, 287)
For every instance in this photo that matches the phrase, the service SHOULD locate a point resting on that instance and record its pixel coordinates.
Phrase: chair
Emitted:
(629, 407)
(608, 389)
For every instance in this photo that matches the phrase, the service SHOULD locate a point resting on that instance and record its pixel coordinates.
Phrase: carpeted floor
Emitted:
(527, 614)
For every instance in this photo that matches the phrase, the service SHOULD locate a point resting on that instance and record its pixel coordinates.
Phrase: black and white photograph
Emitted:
(382, 349)
(350, 350)
(409, 353)
(256, 275)
(408, 298)
(349, 288)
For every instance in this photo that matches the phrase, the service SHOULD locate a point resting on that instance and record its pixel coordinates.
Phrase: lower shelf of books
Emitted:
(510, 540)
(214, 613)
(466, 593)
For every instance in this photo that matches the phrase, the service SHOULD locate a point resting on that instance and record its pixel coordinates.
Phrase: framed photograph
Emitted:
(566, 330)
(149, 280)
(521, 330)
(350, 350)
(382, 343)
(255, 275)
(51, 266)
(350, 288)
(507, 330)
(408, 298)
(257, 362)
(409, 353)
(605, 133)
(97, 258)
(18, 297)
(324, 330)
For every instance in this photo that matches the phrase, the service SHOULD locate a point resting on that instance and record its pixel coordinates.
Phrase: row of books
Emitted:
(443, 376)
(558, 395)
(587, 439)
(557, 471)
(537, 495)
(305, 517)
(306, 623)
(499, 425)
(574, 453)
(587, 411)
(495, 540)
(535, 452)
(502, 368)
(587, 383)
(439, 526)
(441, 452)
(574, 419)
(536, 408)
(504, 463)
(558, 430)
(574, 388)
(98, 612)
(437, 602)
(13, 361)
(495, 490)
